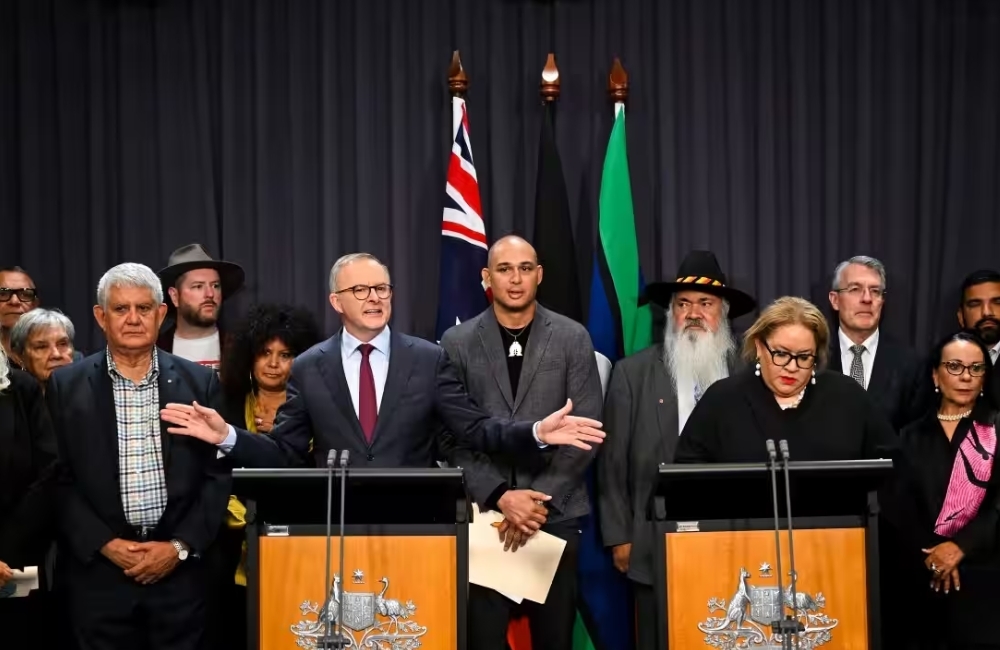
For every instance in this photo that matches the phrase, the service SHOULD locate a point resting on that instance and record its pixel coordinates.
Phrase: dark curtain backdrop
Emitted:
(785, 135)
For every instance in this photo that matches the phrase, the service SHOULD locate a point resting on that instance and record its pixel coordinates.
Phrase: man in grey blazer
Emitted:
(518, 360)
(651, 395)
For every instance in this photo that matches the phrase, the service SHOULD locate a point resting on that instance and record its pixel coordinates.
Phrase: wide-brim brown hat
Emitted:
(700, 271)
(194, 256)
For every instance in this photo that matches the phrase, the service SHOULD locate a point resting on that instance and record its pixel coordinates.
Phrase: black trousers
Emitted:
(645, 614)
(227, 610)
(551, 623)
(110, 611)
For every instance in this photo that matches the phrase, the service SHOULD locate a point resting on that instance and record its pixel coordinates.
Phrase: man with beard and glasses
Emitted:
(197, 285)
(980, 311)
(651, 396)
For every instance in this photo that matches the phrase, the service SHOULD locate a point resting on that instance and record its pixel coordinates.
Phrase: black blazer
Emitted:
(901, 382)
(422, 391)
(81, 401)
(27, 461)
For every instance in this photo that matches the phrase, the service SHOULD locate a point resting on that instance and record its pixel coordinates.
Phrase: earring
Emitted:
(757, 371)
(937, 390)
(814, 378)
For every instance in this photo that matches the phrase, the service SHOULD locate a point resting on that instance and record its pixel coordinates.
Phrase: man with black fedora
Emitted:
(196, 284)
(651, 395)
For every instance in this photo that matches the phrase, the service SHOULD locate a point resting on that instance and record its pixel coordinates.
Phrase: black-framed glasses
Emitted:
(362, 291)
(24, 295)
(780, 358)
(958, 368)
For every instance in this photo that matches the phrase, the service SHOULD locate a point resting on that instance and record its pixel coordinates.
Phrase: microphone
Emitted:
(331, 460)
(772, 464)
(344, 459)
(793, 626)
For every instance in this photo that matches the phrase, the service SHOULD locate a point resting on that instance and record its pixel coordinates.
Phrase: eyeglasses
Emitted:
(858, 291)
(363, 291)
(958, 368)
(781, 358)
(24, 295)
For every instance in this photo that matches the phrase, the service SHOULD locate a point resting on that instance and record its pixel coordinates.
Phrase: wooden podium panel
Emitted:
(722, 588)
(415, 604)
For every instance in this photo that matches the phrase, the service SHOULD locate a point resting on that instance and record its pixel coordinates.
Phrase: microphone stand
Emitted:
(791, 626)
(331, 460)
(772, 454)
(338, 643)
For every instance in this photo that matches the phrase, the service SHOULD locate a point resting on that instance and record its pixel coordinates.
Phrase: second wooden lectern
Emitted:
(405, 558)
(717, 566)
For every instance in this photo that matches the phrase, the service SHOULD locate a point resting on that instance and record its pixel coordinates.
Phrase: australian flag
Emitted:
(463, 232)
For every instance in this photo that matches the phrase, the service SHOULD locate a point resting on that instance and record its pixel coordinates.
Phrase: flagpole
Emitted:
(458, 81)
(618, 85)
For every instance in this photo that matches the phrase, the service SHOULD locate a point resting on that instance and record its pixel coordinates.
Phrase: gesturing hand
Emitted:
(523, 509)
(561, 428)
(196, 421)
(158, 561)
(5, 573)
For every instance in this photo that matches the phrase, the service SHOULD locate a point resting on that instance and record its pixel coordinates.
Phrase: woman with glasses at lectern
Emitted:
(786, 394)
(946, 506)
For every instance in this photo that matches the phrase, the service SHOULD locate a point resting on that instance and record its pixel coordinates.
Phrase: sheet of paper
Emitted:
(524, 575)
(22, 583)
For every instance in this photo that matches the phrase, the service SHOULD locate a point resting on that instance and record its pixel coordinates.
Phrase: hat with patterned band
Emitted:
(700, 271)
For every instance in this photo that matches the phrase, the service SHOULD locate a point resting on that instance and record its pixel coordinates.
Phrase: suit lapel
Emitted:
(666, 415)
(538, 341)
(882, 366)
(167, 389)
(489, 337)
(833, 362)
(336, 382)
(400, 367)
(102, 396)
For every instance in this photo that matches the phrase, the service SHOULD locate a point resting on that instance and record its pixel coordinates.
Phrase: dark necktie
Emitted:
(857, 366)
(367, 405)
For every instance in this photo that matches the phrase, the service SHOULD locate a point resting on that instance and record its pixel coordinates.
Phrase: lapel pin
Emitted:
(661, 400)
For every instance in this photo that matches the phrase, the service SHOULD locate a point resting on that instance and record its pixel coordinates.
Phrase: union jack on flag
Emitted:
(463, 232)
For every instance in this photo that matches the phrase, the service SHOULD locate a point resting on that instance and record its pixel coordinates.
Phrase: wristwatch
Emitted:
(182, 552)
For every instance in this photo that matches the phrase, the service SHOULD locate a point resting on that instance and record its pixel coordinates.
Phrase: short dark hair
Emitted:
(982, 276)
(293, 326)
(986, 406)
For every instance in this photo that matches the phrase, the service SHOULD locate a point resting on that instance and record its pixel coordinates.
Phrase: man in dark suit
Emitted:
(651, 396)
(980, 310)
(890, 371)
(381, 395)
(519, 360)
(140, 508)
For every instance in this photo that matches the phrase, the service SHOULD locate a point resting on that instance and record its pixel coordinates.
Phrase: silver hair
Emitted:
(38, 319)
(129, 274)
(862, 260)
(348, 259)
(4, 370)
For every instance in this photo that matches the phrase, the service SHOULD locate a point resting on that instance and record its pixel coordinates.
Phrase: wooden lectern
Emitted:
(717, 567)
(405, 558)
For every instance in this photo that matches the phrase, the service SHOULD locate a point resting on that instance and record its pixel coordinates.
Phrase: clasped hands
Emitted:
(942, 561)
(6, 573)
(145, 562)
(524, 513)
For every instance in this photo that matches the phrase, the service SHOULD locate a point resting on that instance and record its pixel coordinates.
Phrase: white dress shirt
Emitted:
(867, 357)
(995, 353)
(379, 360)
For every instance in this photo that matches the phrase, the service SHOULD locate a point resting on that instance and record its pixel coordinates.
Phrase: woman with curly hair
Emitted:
(256, 366)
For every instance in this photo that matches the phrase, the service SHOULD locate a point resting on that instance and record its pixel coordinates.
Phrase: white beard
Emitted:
(697, 357)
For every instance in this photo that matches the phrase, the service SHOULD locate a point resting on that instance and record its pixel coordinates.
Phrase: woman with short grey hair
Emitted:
(41, 341)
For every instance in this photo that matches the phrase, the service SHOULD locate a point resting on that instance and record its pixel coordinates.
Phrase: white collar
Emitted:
(846, 344)
(349, 343)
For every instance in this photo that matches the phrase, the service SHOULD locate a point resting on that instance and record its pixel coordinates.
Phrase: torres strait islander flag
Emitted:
(463, 233)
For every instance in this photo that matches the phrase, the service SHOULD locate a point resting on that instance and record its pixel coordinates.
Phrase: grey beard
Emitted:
(700, 357)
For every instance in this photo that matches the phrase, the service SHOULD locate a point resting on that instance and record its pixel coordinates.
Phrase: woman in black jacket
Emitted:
(27, 458)
(946, 505)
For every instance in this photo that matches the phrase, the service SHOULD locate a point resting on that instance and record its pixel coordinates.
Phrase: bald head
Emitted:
(512, 249)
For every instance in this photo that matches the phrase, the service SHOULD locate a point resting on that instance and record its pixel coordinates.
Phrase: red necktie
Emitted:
(367, 405)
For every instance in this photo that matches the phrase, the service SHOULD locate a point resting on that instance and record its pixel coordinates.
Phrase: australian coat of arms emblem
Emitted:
(366, 620)
(745, 621)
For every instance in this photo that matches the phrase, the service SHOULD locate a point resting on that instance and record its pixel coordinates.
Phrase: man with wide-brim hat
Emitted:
(197, 284)
(650, 397)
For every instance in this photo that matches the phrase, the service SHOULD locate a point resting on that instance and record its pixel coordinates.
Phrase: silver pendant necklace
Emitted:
(515, 349)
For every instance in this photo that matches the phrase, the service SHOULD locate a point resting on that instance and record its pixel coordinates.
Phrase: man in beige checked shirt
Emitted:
(140, 507)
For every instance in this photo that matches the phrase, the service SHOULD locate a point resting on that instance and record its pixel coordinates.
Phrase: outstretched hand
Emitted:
(561, 428)
(196, 421)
